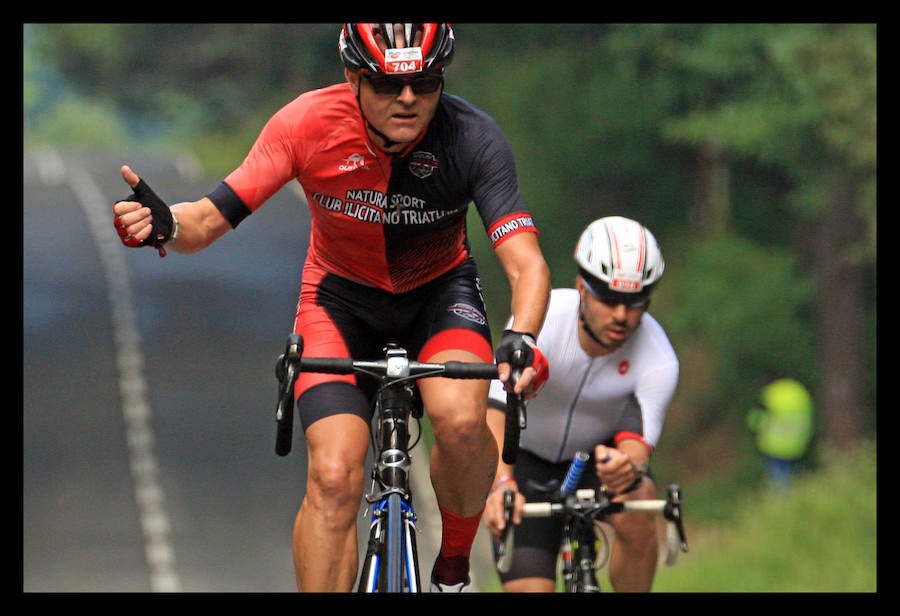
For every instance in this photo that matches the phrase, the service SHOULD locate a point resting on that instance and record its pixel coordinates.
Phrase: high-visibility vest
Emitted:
(784, 427)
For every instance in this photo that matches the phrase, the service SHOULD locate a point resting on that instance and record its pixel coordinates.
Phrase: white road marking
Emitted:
(148, 494)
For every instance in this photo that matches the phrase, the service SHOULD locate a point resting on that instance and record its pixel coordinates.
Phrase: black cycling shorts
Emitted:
(347, 319)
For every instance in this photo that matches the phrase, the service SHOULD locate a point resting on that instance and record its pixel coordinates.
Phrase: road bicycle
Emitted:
(584, 545)
(391, 562)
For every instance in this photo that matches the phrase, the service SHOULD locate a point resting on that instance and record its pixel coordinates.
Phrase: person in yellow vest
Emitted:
(783, 427)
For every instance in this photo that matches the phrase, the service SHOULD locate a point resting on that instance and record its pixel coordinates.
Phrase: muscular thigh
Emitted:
(457, 327)
(459, 401)
(338, 446)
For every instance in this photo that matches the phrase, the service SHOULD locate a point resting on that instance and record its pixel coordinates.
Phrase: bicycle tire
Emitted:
(604, 534)
(375, 573)
(394, 553)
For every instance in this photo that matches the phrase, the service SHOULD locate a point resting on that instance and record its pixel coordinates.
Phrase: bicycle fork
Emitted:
(391, 561)
(578, 555)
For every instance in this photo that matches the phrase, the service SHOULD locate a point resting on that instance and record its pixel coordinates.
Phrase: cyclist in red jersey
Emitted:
(389, 164)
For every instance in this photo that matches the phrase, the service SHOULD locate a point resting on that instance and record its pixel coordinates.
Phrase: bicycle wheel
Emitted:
(394, 540)
(604, 534)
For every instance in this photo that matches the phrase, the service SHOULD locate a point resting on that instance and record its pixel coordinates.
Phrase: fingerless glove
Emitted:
(163, 225)
(511, 341)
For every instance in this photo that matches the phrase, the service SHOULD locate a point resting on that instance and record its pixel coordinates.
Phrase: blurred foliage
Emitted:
(820, 536)
(758, 320)
(735, 310)
(604, 119)
(190, 77)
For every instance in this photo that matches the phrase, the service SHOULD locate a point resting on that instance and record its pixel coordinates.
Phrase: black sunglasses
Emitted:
(393, 86)
(613, 298)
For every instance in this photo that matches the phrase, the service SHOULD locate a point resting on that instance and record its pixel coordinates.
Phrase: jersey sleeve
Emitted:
(272, 162)
(654, 393)
(269, 165)
(495, 184)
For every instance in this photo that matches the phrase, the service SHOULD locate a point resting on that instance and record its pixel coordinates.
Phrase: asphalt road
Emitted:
(149, 393)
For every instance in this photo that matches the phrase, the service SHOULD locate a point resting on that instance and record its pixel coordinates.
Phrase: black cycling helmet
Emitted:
(396, 48)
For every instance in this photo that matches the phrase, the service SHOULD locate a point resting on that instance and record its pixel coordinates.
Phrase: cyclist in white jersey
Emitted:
(614, 374)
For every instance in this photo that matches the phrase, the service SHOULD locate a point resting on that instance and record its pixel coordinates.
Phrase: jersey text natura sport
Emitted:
(392, 222)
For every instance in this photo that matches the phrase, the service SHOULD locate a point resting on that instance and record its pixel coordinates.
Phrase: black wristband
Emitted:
(511, 331)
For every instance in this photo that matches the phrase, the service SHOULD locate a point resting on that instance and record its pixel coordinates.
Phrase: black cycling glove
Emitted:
(163, 225)
(511, 341)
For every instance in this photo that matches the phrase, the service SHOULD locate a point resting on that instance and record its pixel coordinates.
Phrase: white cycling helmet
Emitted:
(620, 254)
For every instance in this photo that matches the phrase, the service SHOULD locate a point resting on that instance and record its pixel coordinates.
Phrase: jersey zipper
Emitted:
(571, 412)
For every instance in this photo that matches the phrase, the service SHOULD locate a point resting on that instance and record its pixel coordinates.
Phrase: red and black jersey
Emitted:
(391, 222)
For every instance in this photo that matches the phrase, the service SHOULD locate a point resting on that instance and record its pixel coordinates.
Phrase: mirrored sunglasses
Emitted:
(613, 298)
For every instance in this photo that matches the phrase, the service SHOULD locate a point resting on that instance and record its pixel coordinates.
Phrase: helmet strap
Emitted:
(388, 142)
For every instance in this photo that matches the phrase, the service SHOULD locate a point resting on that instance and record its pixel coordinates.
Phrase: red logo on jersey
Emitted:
(624, 367)
(468, 312)
(422, 164)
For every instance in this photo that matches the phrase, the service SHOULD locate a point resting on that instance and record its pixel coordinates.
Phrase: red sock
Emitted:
(457, 537)
(458, 533)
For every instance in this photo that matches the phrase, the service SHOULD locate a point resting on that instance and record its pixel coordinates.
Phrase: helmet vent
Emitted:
(620, 253)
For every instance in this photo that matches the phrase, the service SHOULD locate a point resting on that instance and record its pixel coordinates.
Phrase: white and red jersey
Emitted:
(390, 222)
(587, 401)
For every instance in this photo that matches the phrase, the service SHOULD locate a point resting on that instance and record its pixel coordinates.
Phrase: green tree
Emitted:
(806, 104)
(197, 83)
